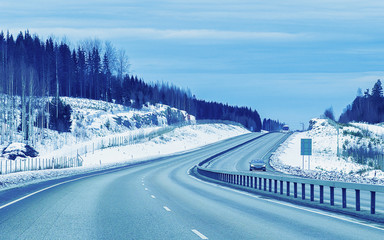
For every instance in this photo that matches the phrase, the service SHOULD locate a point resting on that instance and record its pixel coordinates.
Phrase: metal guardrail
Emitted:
(271, 183)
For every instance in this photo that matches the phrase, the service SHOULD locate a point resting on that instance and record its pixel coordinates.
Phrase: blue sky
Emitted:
(290, 60)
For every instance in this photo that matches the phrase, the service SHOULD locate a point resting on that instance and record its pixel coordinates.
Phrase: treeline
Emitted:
(366, 108)
(33, 69)
(272, 125)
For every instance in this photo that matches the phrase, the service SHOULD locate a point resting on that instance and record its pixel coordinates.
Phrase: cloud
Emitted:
(167, 34)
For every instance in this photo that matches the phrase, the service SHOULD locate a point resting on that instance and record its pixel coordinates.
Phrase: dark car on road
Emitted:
(257, 164)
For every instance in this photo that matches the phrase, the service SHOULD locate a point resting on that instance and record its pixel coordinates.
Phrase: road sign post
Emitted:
(306, 150)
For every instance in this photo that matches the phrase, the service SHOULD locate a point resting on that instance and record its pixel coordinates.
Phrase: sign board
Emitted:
(306, 146)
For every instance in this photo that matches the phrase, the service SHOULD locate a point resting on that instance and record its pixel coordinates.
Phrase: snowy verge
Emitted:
(180, 139)
(324, 163)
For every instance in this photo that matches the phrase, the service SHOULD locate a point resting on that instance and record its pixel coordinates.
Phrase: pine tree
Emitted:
(61, 122)
(377, 90)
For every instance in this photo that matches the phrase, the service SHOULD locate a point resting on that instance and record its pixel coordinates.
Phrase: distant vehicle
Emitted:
(257, 164)
(285, 128)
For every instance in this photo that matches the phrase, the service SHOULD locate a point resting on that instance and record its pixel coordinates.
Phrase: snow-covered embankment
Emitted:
(324, 162)
(180, 139)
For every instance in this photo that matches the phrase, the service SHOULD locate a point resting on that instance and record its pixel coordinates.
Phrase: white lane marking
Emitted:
(143, 184)
(153, 196)
(146, 189)
(286, 204)
(52, 186)
(167, 209)
(199, 234)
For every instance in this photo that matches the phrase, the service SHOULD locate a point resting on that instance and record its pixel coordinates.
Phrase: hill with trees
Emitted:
(37, 70)
(366, 108)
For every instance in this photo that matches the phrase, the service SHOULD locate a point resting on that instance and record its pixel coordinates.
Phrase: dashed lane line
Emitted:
(167, 209)
(199, 234)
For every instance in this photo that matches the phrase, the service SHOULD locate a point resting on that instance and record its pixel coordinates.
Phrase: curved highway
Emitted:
(238, 160)
(160, 200)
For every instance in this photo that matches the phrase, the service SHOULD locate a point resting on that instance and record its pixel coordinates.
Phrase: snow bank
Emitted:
(324, 162)
(180, 139)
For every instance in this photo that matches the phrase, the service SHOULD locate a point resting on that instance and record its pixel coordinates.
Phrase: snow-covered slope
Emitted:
(180, 139)
(324, 162)
(93, 119)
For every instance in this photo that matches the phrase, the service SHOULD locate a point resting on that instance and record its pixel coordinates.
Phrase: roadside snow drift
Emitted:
(180, 139)
(324, 162)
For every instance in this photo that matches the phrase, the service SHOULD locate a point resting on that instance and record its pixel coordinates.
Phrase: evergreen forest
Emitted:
(34, 69)
(367, 107)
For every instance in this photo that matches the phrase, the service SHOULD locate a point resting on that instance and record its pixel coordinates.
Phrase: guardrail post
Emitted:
(244, 179)
(270, 185)
(265, 184)
(344, 197)
(255, 183)
(332, 195)
(357, 199)
(251, 182)
(259, 183)
(275, 186)
(321, 194)
(295, 190)
(312, 189)
(288, 185)
(247, 181)
(281, 186)
(303, 191)
(237, 179)
(373, 202)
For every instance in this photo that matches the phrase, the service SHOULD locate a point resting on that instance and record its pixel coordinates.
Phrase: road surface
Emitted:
(160, 200)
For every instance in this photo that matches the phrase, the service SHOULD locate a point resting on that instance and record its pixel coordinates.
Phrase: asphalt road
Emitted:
(160, 200)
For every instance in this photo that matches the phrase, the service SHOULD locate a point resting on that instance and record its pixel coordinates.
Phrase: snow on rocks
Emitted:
(324, 162)
(14, 150)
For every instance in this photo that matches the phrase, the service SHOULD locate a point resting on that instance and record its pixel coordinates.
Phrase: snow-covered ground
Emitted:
(91, 119)
(180, 139)
(324, 162)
